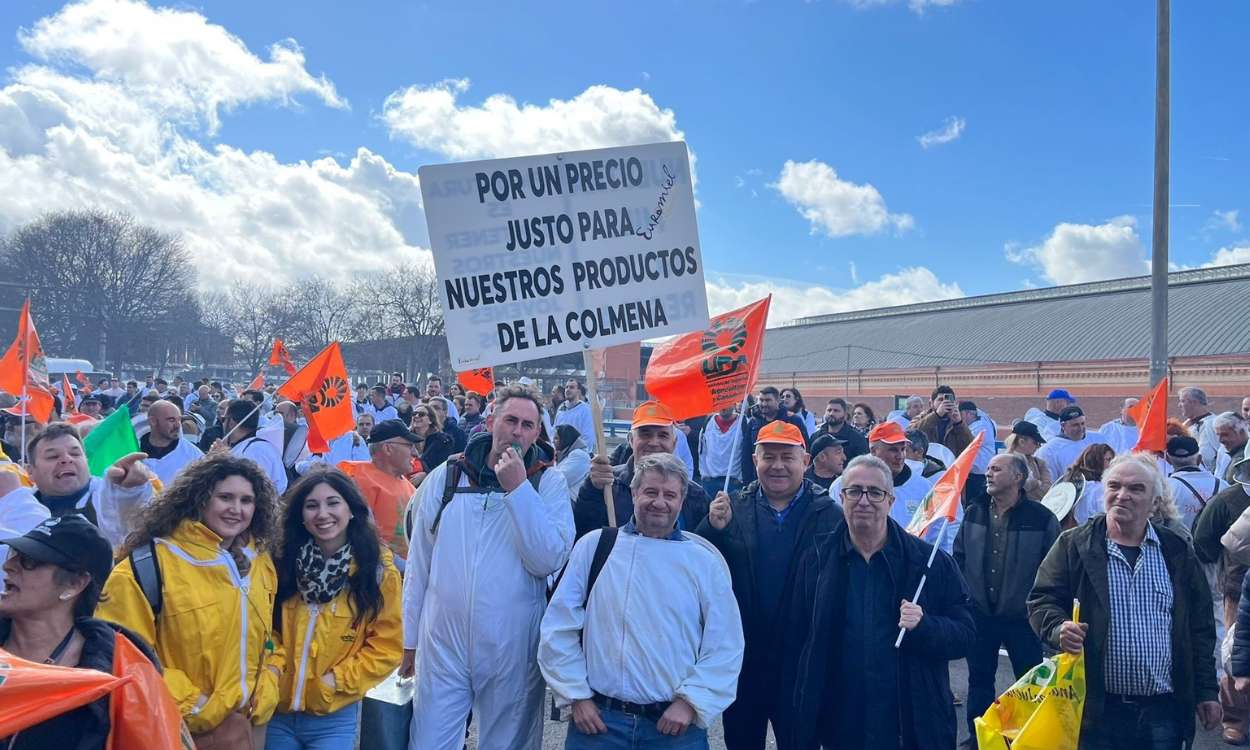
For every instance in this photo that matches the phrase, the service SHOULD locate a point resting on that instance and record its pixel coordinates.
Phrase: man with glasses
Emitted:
(852, 688)
(762, 532)
(383, 481)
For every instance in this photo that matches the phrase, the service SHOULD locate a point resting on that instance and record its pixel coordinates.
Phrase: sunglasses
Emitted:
(26, 562)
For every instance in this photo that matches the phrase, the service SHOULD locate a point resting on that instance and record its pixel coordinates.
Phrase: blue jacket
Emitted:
(945, 633)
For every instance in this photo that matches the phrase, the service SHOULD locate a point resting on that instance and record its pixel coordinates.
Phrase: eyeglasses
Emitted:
(26, 562)
(855, 494)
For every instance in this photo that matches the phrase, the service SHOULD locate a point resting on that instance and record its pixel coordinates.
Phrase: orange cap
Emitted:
(887, 432)
(652, 413)
(780, 433)
(80, 418)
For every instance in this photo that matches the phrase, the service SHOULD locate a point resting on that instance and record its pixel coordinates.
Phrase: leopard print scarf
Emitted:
(320, 579)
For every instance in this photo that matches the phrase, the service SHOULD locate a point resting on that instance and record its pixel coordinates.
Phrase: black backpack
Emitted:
(452, 487)
(147, 571)
(607, 540)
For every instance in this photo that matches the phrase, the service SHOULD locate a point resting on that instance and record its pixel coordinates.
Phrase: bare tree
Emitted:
(251, 315)
(101, 283)
(404, 303)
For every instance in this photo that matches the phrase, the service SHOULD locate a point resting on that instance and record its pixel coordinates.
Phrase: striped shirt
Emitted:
(1139, 639)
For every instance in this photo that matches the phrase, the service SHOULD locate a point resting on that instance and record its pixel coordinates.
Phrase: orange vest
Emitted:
(387, 497)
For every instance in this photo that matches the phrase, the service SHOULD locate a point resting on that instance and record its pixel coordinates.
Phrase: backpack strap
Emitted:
(1194, 492)
(607, 540)
(449, 489)
(147, 573)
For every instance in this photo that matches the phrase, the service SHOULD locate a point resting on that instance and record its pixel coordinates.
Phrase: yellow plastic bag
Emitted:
(1041, 711)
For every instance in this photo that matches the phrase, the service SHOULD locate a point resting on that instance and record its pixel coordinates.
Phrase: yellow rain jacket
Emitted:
(319, 639)
(215, 630)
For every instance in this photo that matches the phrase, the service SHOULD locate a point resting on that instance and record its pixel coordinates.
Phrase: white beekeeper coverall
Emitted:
(474, 596)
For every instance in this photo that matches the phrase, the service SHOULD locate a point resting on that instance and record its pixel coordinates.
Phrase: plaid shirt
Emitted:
(1139, 639)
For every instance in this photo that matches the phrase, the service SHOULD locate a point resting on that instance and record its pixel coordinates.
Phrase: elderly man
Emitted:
(888, 442)
(1061, 450)
(1190, 485)
(943, 423)
(642, 637)
(58, 469)
(383, 480)
(912, 408)
(1146, 625)
(651, 431)
(1004, 537)
(1200, 422)
(763, 532)
(167, 450)
(1233, 433)
(1122, 433)
(488, 531)
(1047, 419)
(847, 686)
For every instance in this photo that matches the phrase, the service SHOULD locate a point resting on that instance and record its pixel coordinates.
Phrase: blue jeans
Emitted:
(1155, 725)
(333, 731)
(632, 733)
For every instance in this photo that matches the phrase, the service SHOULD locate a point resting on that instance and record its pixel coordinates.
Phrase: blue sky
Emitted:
(301, 162)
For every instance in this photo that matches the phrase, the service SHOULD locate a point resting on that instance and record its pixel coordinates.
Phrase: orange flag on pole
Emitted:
(702, 372)
(325, 393)
(480, 380)
(257, 383)
(142, 711)
(67, 397)
(83, 381)
(32, 693)
(1151, 415)
(24, 371)
(280, 356)
(943, 499)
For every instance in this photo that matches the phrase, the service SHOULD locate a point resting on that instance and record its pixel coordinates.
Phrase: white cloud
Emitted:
(794, 300)
(834, 206)
(952, 128)
(915, 6)
(1224, 220)
(1227, 256)
(432, 118)
(173, 60)
(1076, 253)
(88, 129)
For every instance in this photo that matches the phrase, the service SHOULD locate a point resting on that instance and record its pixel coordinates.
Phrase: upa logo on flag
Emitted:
(724, 341)
(332, 392)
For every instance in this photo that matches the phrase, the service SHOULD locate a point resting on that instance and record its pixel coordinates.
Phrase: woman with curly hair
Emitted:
(206, 605)
(338, 620)
(1086, 473)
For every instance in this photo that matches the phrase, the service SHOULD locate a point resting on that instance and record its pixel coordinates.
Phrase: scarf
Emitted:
(320, 578)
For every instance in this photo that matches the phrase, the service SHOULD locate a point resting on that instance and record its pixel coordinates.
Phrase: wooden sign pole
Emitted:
(596, 411)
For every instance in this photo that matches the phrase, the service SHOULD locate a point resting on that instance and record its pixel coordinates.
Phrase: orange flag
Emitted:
(24, 371)
(83, 381)
(480, 380)
(142, 711)
(702, 372)
(257, 383)
(32, 693)
(943, 499)
(324, 391)
(67, 397)
(1152, 424)
(280, 356)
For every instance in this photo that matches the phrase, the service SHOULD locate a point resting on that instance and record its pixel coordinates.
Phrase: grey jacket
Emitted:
(1031, 531)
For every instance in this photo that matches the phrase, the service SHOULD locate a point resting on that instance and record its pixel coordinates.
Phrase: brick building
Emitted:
(1006, 351)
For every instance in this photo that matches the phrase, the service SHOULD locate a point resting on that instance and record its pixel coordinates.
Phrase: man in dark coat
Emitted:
(852, 689)
(763, 532)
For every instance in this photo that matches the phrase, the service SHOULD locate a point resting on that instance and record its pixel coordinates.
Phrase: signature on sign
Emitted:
(653, 220)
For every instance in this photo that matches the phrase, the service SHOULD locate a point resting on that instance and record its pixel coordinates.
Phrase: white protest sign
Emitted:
(545, 255)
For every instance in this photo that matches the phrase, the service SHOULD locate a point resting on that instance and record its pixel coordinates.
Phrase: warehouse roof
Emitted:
(1105, 320)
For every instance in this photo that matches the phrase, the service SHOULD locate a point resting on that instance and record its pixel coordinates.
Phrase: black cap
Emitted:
(389, 429)
(823, 441)
(71, 542)
(967, 406)
(1182, 446)
(1070, 412)
(1028, 430)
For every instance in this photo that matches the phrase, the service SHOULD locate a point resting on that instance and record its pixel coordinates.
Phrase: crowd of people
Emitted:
(753, 566)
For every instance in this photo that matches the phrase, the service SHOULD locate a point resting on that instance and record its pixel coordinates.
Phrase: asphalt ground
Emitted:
(553, 732)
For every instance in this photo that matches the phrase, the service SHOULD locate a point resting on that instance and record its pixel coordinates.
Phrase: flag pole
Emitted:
(927, 567)
(237, 425)
(596, 411)
(742, 425)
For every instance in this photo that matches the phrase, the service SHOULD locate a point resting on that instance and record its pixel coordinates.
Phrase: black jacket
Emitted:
(751, 429)
(738, 542)
(1224, 507)
(589, 512)
(1031, 531)
(856, 442)
(88, 724)
(437, 447)
(1076, 568)
(945, 633)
